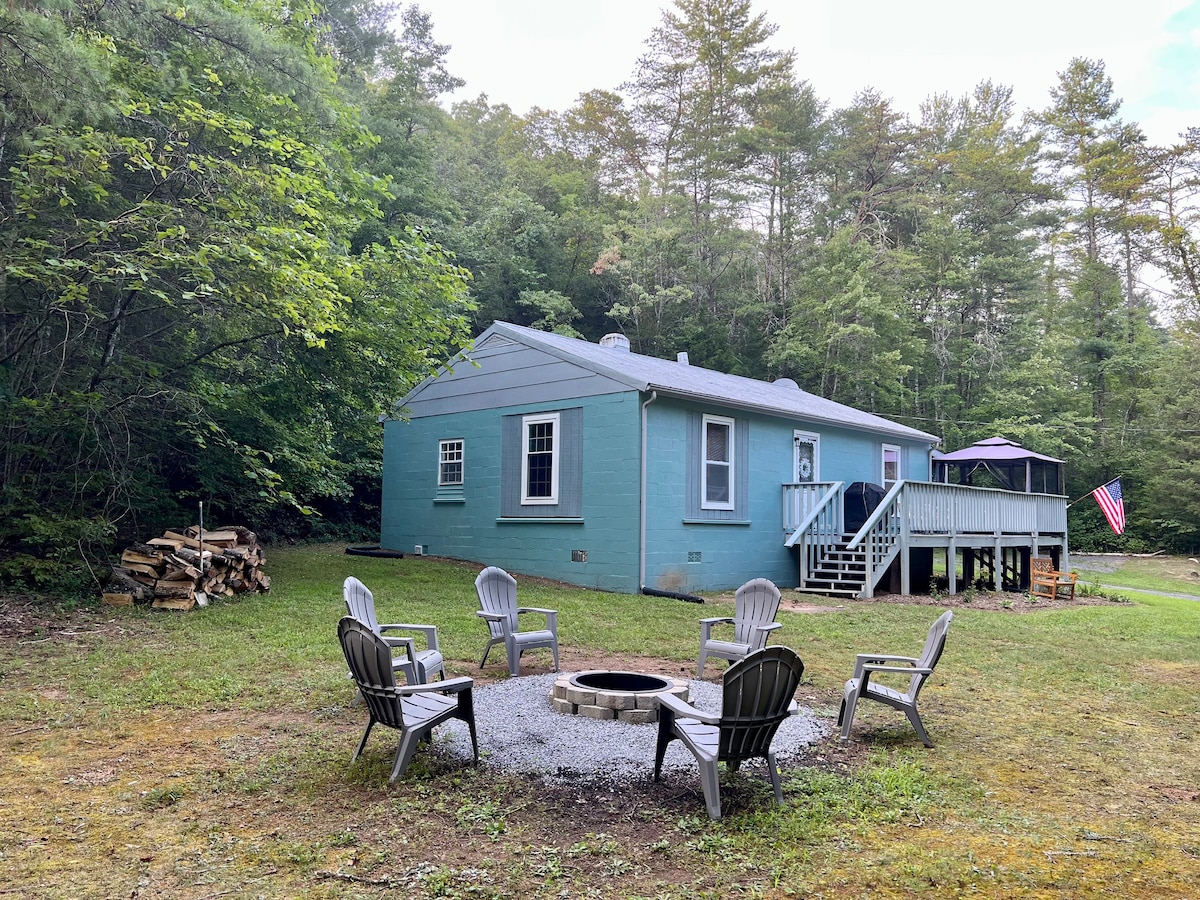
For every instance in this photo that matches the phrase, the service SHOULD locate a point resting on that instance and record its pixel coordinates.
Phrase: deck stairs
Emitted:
(837, 571)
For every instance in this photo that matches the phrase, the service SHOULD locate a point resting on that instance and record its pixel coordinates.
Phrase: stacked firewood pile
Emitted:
(186, 568)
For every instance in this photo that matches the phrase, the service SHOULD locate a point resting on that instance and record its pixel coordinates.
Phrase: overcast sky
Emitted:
(546, 53)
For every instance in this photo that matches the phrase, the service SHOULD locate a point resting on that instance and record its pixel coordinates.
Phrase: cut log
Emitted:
(172, 590)
(117, 599)
(244, 534)
(142, 553)
(193, 556)
(184, 540)
(181, 573)
(219, 538)
(122, 581)
(183, 604)
(142, 568)
(165, 544)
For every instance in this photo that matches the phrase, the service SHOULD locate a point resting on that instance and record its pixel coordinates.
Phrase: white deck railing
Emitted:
(933, 508)
(813, 519)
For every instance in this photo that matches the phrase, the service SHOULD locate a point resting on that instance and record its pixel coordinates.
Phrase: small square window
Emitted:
(450, 463)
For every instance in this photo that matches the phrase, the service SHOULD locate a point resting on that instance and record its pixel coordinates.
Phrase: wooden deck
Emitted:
(988, 534)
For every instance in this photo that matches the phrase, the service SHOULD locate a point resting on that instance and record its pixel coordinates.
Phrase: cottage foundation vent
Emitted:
(616, 342)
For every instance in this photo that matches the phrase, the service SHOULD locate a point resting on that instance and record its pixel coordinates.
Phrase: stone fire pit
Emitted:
(604, 694)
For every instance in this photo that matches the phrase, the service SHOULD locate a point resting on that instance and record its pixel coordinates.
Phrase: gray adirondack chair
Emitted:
(418, 666)
(756, 698)
(497, 592)
(861, 687)
(756, 605)
(414, 710)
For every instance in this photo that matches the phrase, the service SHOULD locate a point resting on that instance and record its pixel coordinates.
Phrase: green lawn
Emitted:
(206, 755)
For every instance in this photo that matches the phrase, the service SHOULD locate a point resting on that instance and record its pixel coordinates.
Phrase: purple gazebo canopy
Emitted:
(1015, 467)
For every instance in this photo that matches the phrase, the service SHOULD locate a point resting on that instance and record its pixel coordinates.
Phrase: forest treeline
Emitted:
(232, 235)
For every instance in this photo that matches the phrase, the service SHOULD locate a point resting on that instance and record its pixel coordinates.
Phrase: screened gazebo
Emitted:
(1008, 464)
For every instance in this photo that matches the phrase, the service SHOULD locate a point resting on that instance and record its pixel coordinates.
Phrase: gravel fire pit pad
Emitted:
(519, 732)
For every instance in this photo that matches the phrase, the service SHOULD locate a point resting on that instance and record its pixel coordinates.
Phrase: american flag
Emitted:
(1112, 502)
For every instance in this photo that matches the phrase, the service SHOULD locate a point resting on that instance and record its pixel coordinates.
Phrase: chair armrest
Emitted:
(449, 686)
(770, 627)
(868, 670)
(490, 616)
(905, 670)
(430, 632)
(865, 659)
(408, 645)
(706, 626)
(883, 657)
(686, 710)
(550, 614)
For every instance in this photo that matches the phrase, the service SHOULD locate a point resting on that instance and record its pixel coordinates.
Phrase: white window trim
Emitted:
(705, 503)
(883, 479)
(462, 462)
(555, 449)
(807, 437)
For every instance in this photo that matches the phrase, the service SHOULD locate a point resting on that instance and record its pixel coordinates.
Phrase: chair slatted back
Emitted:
(935, 643)
(360, 603)
(370, 661)
(497, 592)
(757, 692)
(756, 603)
(1041, 564)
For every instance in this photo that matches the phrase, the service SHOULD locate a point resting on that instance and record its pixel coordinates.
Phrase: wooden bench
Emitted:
(1046, 581)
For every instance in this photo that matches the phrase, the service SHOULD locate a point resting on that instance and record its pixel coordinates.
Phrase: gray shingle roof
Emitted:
(671, 378)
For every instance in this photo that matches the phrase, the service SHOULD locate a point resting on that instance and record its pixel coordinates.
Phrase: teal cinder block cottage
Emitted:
(600, 467)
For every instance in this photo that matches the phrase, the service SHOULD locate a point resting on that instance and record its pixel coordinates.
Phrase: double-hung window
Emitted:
(450, 463)
(716, 488)
(540, 459)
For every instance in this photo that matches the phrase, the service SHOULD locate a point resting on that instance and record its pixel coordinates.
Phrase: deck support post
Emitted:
(952, 567)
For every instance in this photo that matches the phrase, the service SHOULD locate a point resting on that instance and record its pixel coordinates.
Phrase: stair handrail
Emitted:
(834, 490)
(883, 545)
(821, 527)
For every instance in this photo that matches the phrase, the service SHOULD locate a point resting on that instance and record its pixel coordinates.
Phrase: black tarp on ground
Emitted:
(859, 501)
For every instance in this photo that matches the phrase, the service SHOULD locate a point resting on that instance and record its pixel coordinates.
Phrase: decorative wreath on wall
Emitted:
(805, 468)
